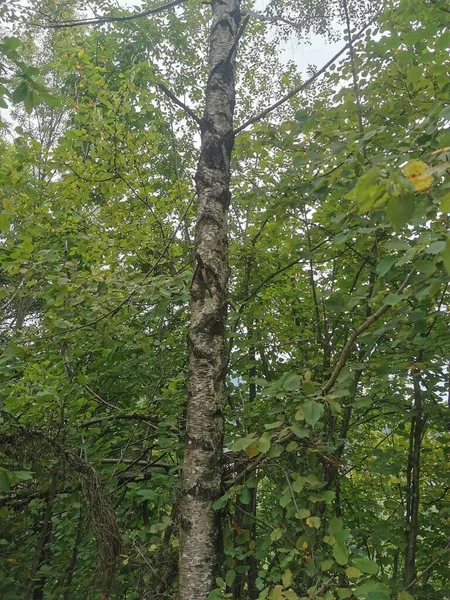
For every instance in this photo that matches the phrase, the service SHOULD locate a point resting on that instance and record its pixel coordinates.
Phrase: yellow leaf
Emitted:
(313, 522)
(252, 450)
(353, 572)
(417, 172)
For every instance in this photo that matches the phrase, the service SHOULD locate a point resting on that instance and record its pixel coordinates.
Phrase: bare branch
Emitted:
(178, 102)
(238, 37)
(308, 82)
(102, 20)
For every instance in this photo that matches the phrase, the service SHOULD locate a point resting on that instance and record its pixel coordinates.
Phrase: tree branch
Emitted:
(238, 37)
(125, 417)
(308, 82)
(348, 346)
(102, 20)
(178, 102)
(431, 565)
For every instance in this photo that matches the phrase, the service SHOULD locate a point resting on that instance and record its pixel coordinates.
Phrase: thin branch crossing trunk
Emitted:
(208, 356)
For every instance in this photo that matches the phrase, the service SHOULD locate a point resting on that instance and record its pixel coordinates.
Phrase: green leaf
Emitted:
(230, 576)
(147, 494)
(10, 44)
(23, 475)
(340, 553)
(303, 513)
(4, 481)
(336, 524)
(50, 100)
(292, 382)
(326, 564)
(313, 412)
(445, 113)
(435, 247)
(264, 442)
(377, 589)
(4, 222)
(8, 205)
(301, 432)
(298, 485)
(445, 254)
(400, 209)
(31, 101)
(366, 565)
(286, 578)
(243, 443)
(309, 387)
(445, 203)
(404, 596)
(20, 93)
(385, 265)
(392, 299)
(221, 502)
(246, 496)
(276, 534)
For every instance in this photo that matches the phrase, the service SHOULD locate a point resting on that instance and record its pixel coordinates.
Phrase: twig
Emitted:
(125, 417)
(102, 20)
(308, 82)
(97, 397)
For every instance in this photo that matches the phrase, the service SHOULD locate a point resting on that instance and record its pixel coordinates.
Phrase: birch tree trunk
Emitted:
(201, 479)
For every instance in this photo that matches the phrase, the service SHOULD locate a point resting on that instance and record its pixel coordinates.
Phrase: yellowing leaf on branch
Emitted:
(418, 173)
(252, 450)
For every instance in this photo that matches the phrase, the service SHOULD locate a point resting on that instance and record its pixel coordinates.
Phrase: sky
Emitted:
(317, 51)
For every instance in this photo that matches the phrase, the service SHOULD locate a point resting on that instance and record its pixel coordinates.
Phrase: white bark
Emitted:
(201, 477)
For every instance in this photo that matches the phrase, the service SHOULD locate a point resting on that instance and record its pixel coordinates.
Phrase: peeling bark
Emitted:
(201, 478)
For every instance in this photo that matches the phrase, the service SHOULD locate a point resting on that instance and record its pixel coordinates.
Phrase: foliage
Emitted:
(337, 395)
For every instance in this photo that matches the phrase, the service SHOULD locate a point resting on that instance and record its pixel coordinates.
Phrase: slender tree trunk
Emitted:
(413, 483)
(36, 584)
(201, 477)
(74, 556)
